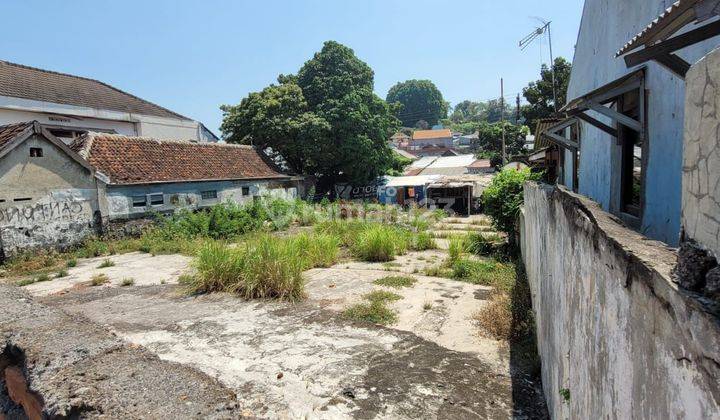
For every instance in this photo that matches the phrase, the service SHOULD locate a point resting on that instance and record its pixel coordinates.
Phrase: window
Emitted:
(157, 199)
(245, 190)
(209, 195)
(36, 152)
(139, 201)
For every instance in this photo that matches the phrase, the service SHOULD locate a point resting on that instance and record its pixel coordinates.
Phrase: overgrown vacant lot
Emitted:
(301, 313)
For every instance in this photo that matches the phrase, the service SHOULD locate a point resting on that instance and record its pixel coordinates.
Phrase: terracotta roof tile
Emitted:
(9, 132)
(431, 134)
(141, 160)
(480, 163)
(25, 82)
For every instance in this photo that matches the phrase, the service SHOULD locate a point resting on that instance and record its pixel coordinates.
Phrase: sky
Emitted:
(193, 56)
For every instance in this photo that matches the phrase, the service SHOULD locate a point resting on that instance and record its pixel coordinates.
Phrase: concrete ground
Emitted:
(286, 360)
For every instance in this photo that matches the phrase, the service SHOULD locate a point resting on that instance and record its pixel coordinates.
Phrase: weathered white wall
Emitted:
(612, 328)
(62, 199)
(605, 27)
(701, 159)
(13, 110)
(188, 195)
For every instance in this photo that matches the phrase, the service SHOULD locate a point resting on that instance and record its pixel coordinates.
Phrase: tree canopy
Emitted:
(539, 94)
(419, 100)
(325, 121)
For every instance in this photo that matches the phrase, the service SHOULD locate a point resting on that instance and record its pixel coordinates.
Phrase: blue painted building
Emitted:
(632, 168)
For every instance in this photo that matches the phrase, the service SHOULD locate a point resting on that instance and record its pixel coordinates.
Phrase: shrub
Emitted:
(504, 196)
(71, 263)
(396, 281)
(479, 244)
(61, 273)
(99, 280)
(262, 267)
(128, 281)
(380, 243)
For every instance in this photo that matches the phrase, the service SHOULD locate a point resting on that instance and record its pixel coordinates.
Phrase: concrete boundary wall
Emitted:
(615, 334)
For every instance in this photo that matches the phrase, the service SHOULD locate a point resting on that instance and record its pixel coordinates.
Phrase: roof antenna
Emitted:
(532, 36)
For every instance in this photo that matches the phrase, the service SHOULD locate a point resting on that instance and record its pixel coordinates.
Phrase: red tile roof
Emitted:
(432, 134)
(141, 160)
(26, 82)
(9, 132)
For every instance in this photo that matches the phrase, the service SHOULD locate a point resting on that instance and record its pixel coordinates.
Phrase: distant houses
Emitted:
(69, 106)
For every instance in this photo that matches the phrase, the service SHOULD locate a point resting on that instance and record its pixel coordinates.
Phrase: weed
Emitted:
(128, 281)
(423, 241)
(186, 279)
(565, 394)
(380, 243)
(99, 280)
(61, 273)
(438, 271)
(396, 281)
(488, 273)
(427, 306)
(495, 318)
(376, 312)
(263, 267)
(382, 296)
(42, 277)
(106, 263)
(25, 282)
(72, 262)
(456, 248)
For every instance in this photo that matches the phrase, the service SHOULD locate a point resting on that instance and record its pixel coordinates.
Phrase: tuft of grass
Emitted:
(495, 318)
(396, 281)
(186, 279)
(487, 273)
(317, 249)
(106, 263)
(25, 282)
(127, 281)
(456, 248)
(379, 243)
(382, 296)
(376, 312)
(99, 280)
(440, 270)
(427, 306)
(42, 277)
(72, 262)
(423, 241)
(61, 273)
(266, 266)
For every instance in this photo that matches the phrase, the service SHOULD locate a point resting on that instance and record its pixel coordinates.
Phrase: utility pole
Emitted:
(517, 109)
(552, 67)
(502, 119)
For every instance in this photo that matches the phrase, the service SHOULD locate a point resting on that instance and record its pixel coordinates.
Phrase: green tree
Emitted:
(490, 139)
(419, 100)
(503, 197)
(325, 121)
(539, 94)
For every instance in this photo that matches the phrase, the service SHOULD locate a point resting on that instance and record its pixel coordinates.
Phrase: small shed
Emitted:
(461, 194)
(404, 190)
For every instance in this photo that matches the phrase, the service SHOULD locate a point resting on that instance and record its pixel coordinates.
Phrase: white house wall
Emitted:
(606, 26)
(14, 110)
(118, 199)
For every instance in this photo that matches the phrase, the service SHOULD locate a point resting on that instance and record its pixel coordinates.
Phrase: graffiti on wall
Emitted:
(350, 192)
(40, 212)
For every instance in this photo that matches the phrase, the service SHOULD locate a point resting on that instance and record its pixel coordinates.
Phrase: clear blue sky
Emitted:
(192, 56)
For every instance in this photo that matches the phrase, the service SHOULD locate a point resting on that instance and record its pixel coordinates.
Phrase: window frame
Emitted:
(36, 152)
(209, 195)
(151, 197)
(245, 191)
(136, 200)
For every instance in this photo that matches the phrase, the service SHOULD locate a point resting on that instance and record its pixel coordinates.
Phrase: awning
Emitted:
(606, 95)
(556, 134)
(656, 37)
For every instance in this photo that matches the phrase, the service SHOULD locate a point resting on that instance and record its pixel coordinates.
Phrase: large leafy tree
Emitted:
(419, 100)
(325, 121)
(489, 143)
(539, 94)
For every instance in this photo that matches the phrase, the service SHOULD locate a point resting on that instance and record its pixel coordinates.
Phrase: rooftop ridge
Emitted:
(94, 81)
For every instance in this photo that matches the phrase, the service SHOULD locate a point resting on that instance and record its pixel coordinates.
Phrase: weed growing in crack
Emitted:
(99, 280)
(106, 263)
(127, 281)
(396, 281)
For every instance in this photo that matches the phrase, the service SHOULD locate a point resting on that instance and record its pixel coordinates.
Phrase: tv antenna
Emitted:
(532, 36)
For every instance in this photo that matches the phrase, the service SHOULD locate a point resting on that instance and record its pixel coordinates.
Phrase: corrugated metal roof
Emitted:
(411, 181)
(461, 161)
(679, 14)
(541, 141)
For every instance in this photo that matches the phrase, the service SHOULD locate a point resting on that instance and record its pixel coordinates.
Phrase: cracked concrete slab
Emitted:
(300, 360)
